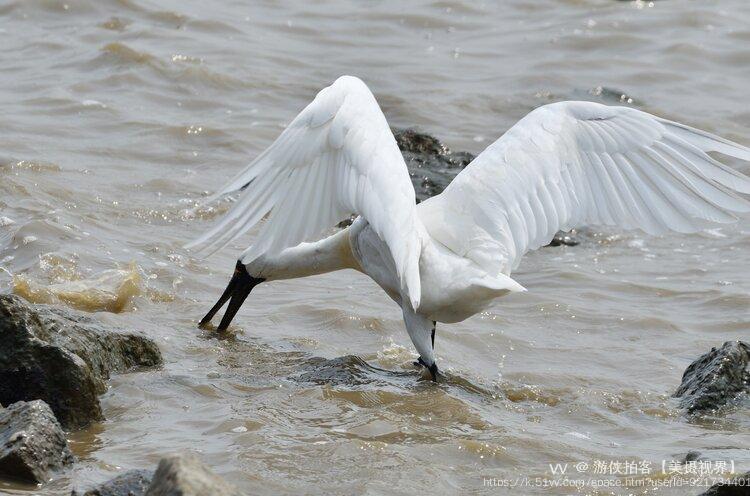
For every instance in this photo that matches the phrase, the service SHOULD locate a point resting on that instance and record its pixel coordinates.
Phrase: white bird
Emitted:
(563, 165)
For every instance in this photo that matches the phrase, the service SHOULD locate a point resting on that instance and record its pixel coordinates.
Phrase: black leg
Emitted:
(433, 372)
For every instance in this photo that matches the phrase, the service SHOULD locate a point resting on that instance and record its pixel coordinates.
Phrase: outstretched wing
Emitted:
(569, 164)
(336, 158)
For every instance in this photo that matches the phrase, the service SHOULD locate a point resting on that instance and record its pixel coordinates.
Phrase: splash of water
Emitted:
(109, 291)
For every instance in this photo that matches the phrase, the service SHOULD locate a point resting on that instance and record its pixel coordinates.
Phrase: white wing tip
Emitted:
(503, 282)
(199, 249)
(414, 300)
(413, 289)
(712, 142)
(194, 244)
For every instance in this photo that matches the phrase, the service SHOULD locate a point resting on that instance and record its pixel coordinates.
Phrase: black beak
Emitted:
(238, 288)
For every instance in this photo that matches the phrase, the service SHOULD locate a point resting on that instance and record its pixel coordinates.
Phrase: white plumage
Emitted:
(571, 164)
(564, 165)
(336, 158)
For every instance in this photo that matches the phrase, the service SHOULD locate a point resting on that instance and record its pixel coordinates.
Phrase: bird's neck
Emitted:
(307, 259)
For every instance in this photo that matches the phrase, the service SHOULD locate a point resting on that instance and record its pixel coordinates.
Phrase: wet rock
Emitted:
(185, 475)
(566, 239)
(716, 378)
(432, 165)
(130, 483)
(348, 370)
(693, 456)
(32, 443)
(346, 222)
(736, 486)
(64, 358)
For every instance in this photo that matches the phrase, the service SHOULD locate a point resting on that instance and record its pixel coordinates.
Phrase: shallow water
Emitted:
(119, 114)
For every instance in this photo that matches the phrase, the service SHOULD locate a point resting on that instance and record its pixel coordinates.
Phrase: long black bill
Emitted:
(238, 288)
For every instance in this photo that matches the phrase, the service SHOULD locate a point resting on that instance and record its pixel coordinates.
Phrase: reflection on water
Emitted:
(121, 116)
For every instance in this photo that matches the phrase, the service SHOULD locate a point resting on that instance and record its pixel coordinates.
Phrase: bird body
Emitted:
(562, 166)
(453, 287)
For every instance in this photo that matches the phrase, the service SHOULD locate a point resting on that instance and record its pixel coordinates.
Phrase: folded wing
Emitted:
(570, 164)
(338, 157)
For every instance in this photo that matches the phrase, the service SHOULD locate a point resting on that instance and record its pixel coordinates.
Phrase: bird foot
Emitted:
(433, 370)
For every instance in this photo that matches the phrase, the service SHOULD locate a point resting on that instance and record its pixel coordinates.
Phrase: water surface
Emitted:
(118, 115)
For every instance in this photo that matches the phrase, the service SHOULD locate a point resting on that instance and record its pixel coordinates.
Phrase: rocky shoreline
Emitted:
(64, 357)
(54, 364)
(182, 474)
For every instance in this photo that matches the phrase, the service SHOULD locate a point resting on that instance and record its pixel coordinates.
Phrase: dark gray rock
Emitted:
(346, 222)
(736, 486)
(32, 443)
(693, 456)
(566, 239)
(348, 370)
(716, 378)
(130, 483)
(185, 475)
(432, 165)
(63, 357)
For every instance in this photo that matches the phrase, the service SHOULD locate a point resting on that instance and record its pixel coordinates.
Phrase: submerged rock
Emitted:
(32, 443)
(64, 358)
(716, 378)
(693, 456)
(185, 475)
(566, 239)
(736, 486)
(130, 483)
(348, 370)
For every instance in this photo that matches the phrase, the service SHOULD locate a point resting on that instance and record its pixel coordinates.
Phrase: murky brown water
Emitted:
(118, 115)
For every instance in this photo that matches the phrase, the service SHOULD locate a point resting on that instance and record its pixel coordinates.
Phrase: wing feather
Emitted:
(573, 163)
(336, 158)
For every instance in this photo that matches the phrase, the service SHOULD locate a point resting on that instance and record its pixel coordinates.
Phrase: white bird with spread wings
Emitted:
(564, 165)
